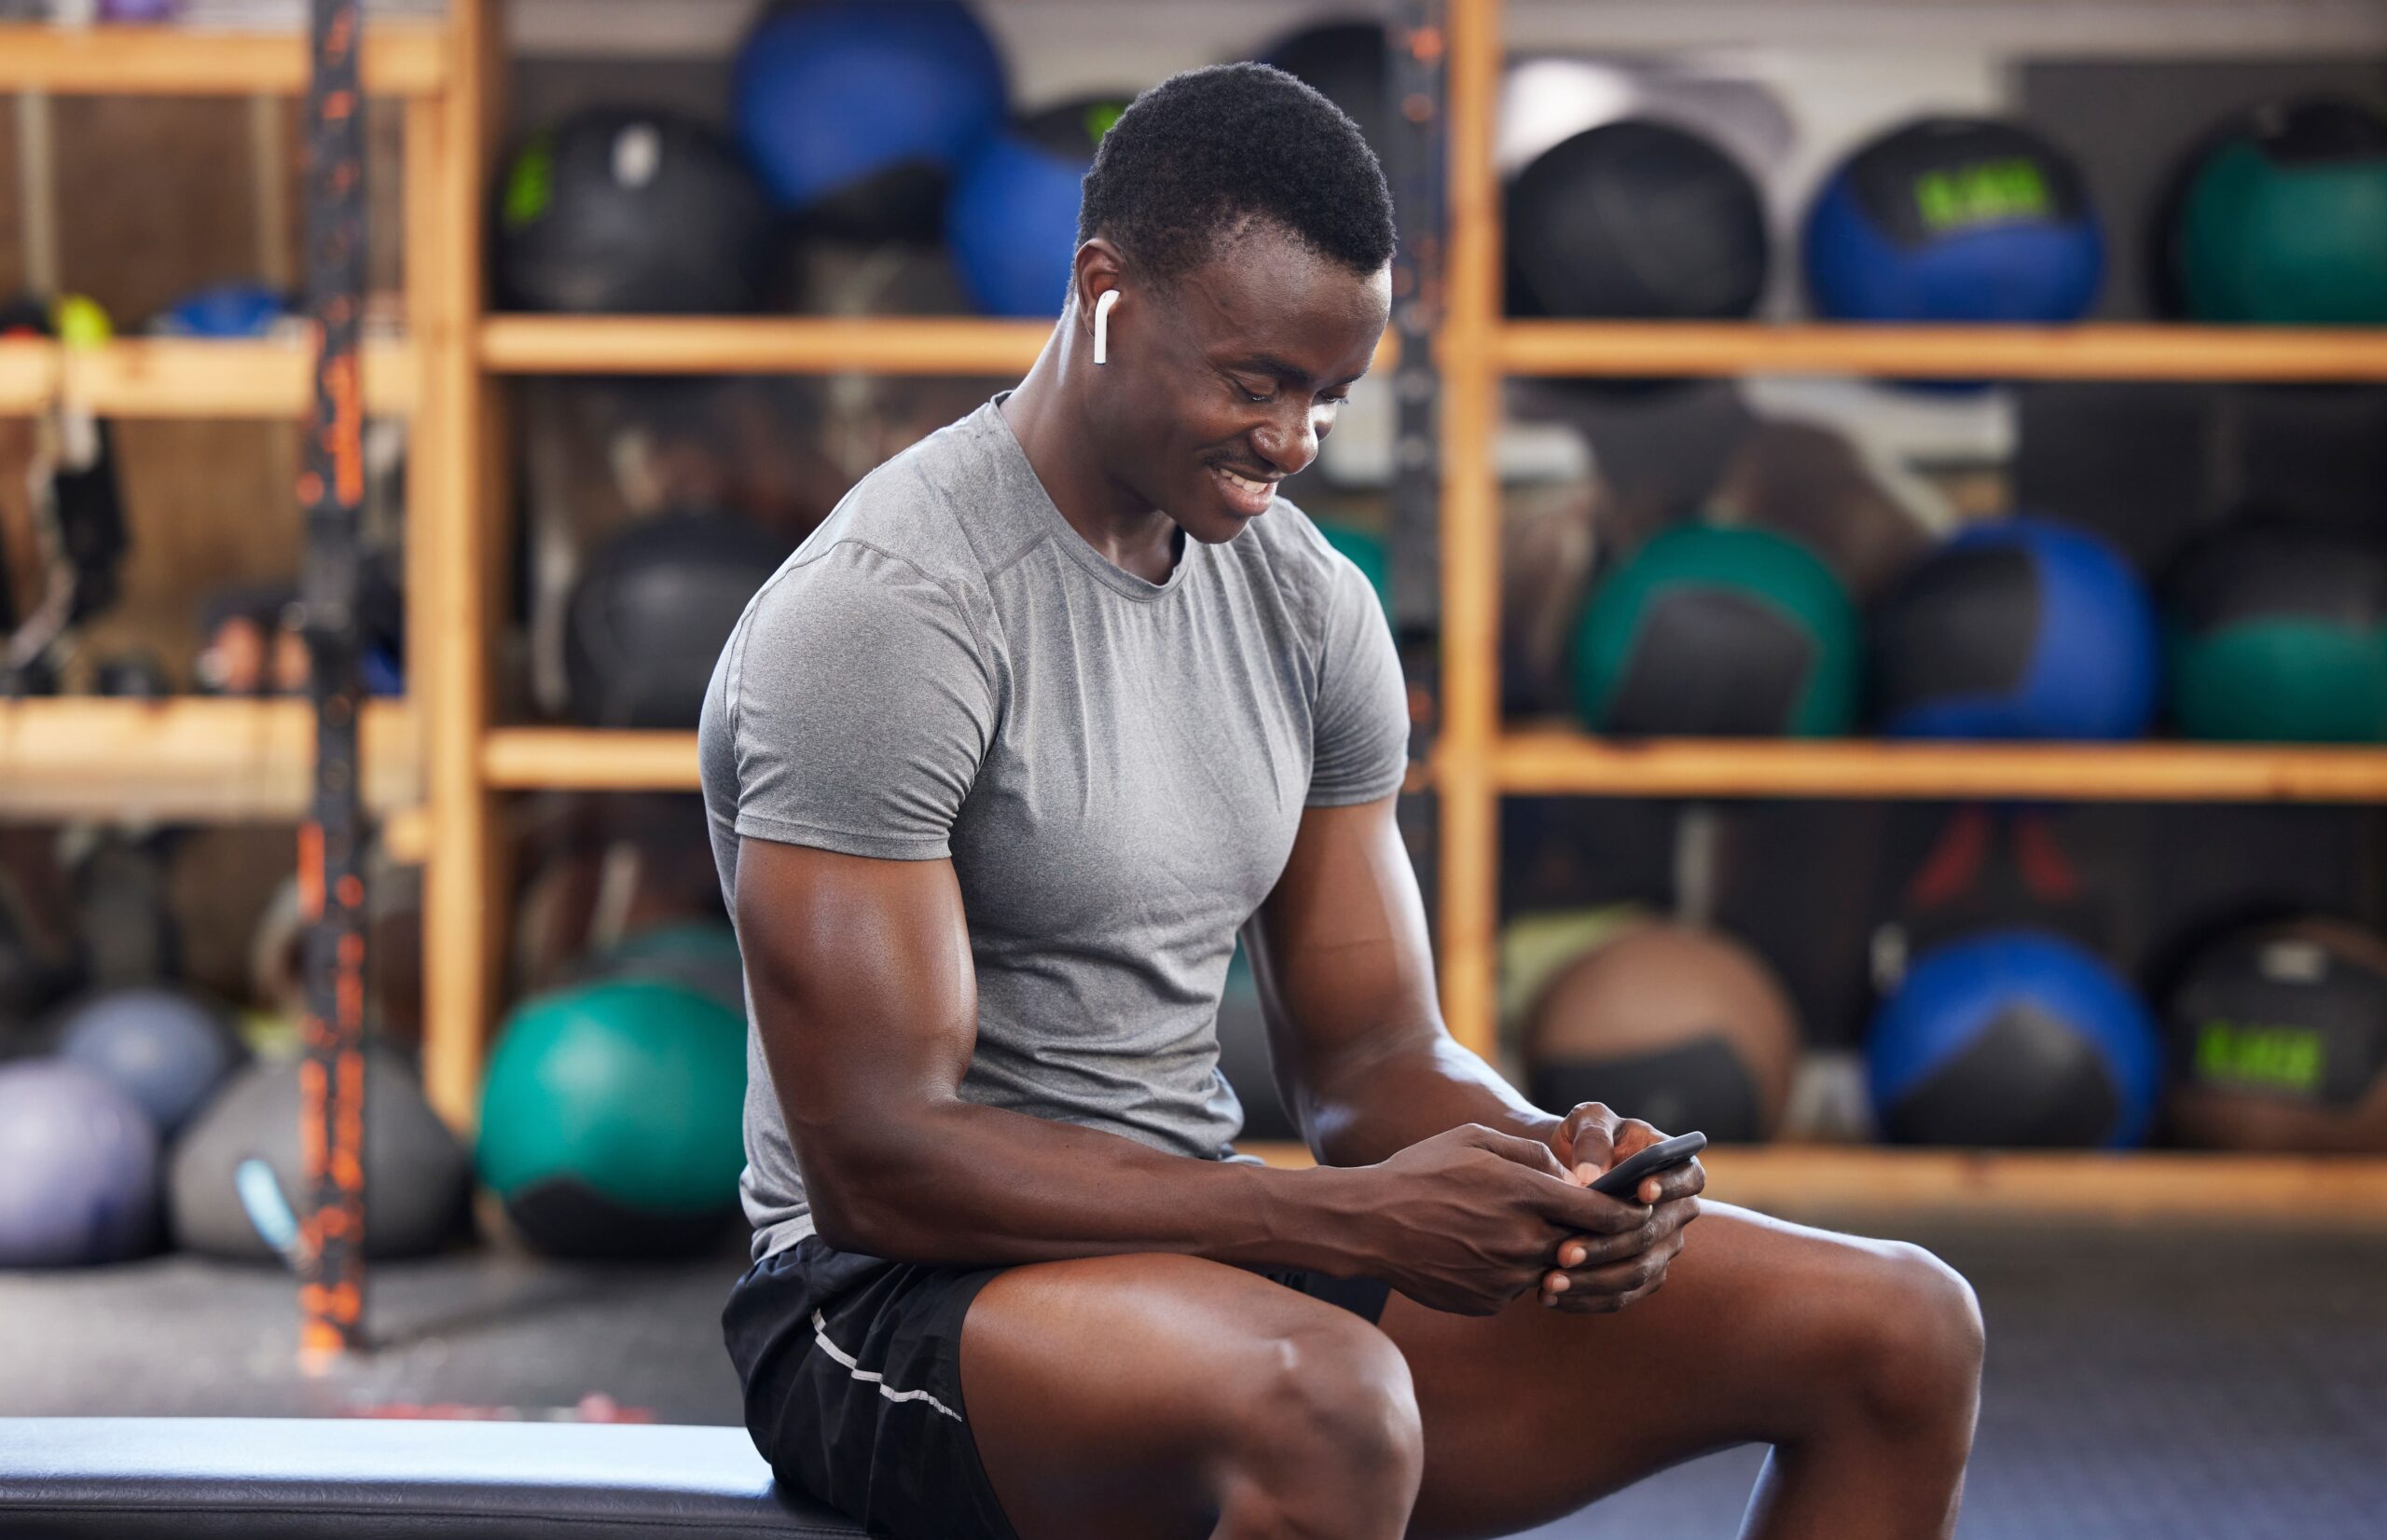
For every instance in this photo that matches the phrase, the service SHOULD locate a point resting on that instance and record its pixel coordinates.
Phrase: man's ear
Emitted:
(1096, 270)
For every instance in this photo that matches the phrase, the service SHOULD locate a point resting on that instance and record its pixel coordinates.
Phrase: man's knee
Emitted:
(1335, 1400)
(1919, 1355)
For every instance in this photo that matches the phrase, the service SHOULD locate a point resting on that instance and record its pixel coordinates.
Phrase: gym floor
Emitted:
(2143, 1384)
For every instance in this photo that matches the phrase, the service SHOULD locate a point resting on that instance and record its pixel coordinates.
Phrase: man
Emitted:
(996, 767)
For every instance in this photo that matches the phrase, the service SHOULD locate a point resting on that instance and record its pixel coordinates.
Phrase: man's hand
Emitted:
(1467, 1221)
(1604, 1271)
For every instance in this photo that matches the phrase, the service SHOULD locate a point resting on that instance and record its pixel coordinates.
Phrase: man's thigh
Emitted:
(1533, 1412)
(1107, 1394)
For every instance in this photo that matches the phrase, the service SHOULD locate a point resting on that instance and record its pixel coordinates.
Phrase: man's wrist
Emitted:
(1318, 1218)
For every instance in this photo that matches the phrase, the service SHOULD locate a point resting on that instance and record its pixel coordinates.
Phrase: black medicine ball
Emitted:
(2278, 1038)
(650, 615)
(622, 212)
(1635, 221)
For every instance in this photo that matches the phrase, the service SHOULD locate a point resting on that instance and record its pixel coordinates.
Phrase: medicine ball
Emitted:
(1013, 218)
(1683, 1027)
(2281, 220)
(78, 1168)
(2278, 1038)
(1634, 221)
(619, 210)
(650, 612)
(162, 1047)
(1709, 630)
(1344, 62)
(1954, 219)
(611, 1119)
(855, 112)
(2014, 1038)
(2015, 629)
(236, 1183)
(2277, 632)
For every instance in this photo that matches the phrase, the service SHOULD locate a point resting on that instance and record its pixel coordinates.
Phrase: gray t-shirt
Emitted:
(1116, 768)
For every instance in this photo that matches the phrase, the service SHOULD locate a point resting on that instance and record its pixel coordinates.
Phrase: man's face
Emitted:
(1230, 375)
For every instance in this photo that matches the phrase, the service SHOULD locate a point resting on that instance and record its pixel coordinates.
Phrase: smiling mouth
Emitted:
(1251, 495)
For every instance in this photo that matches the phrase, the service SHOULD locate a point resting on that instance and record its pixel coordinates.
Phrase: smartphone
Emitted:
(1621, 1180)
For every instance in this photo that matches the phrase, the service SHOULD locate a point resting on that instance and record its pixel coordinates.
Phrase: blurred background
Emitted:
(1884, 503)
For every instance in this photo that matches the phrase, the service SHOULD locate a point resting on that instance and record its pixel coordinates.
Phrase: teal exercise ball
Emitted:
(1710, 630)
(612, 1118)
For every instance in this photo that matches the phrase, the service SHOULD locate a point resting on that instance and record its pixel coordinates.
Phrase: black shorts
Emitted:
(852, 1371)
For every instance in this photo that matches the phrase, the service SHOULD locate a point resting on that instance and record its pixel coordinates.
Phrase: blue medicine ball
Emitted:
(2018, 629)
(2014, 1038)
(1953, 219)
(855, 112)
(164, 1049)
(1013, 218)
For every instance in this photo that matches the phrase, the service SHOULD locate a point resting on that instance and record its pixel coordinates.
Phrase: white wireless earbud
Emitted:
(1102, 324)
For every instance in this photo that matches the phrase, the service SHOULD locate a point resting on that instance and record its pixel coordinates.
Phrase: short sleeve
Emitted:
(1360, 743)
(860, 707)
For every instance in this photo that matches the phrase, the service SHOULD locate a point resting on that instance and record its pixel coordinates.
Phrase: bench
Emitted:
(201, 1479)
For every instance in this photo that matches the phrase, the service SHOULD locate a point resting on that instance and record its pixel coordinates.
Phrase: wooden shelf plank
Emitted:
(657, 345)
(580, 758)
(1554, 762)
(795, 345)
(191, 760)
(2166, 1186)
(187, 378)
(2096, 352)
(2110, 1187)
(400, 59)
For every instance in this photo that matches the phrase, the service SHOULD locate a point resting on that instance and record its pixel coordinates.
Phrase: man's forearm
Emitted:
(961, 1183)
(1367, 1110)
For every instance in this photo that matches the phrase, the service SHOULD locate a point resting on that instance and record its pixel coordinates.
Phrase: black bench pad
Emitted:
(201, 1479)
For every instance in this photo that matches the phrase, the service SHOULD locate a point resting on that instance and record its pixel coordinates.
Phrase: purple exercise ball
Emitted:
(78, 1168)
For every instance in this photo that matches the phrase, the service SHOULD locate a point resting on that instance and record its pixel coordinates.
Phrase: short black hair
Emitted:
(1197, 155)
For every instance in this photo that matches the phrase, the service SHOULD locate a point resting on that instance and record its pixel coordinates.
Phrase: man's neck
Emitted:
(1047, 414)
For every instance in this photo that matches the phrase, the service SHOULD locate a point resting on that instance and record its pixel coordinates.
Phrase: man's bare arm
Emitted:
(865, 998)
(1346, 980)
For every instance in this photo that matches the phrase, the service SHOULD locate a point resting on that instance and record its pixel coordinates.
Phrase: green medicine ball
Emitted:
(612, 1118)
(2277, 633)
(2282, 221)
(1709, 631)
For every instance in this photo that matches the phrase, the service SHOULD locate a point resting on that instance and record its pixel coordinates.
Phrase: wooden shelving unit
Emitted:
(436, 766)
(1479, 759)
(241, 761)
(471, 760)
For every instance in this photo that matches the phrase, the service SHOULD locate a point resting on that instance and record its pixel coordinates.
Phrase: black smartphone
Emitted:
(1621, 1180)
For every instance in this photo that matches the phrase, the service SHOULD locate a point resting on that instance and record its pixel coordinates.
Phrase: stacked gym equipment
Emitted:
(2269, 1033)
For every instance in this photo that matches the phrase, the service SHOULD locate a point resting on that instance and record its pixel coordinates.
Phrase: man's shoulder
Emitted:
(928, 508)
